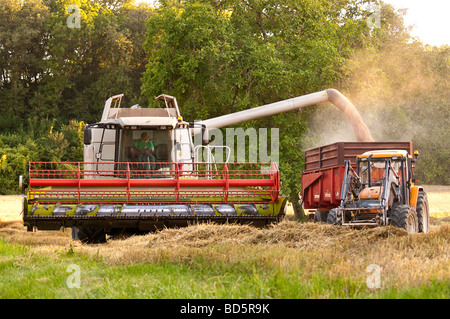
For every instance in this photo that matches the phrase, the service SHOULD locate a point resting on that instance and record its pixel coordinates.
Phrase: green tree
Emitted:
(95, 61)
(21, 53)
(50, 70)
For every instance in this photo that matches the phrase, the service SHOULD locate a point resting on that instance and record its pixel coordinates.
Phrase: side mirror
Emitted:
(416, 155)
(87, 136)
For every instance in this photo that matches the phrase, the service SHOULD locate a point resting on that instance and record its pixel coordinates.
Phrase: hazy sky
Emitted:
(431, 18)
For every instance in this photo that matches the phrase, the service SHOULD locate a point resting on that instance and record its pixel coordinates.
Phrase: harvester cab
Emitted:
(140, 135)
(381, 192)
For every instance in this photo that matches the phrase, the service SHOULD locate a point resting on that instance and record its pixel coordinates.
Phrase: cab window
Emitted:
(377, 171)
(146, 145)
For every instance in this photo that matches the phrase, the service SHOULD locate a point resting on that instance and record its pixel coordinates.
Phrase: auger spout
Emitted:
(360, 129)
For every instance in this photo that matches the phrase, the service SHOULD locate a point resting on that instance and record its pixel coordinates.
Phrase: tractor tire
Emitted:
(89, 235)
(423, 214)
(405, 216)
(333, 218)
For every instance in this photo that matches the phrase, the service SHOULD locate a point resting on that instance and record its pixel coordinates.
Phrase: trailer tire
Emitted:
(89, 235)
(405, 216)
(423, 214)
(320, 216)
(333, 217)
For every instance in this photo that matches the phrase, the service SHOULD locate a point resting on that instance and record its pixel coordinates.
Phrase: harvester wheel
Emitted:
(89, 235)
(405, 216)
(423, 215)
(333, 217)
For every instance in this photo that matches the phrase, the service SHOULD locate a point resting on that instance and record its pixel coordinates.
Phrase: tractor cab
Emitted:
(384, 174)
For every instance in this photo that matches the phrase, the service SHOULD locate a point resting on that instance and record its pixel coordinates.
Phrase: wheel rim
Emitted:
(410, 224)
(425, 219)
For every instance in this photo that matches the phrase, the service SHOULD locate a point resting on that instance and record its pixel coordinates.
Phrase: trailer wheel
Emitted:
(333, 217)
(405, 216)
(320, 216)
(423, 215)
(89, 235)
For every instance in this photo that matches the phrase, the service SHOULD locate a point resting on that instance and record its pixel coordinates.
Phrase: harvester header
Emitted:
(127, 196)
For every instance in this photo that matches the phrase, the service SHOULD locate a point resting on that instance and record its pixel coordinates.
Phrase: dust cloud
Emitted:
(401, 92)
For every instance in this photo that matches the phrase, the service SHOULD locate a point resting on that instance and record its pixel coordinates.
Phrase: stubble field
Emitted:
(288, 260)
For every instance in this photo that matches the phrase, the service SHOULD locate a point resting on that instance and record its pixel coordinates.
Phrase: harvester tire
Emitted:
(333, 217)
(423, 214)
(405, 216)
(89, 235)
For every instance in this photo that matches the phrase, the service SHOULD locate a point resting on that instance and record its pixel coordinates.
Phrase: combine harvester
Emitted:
(126, 184)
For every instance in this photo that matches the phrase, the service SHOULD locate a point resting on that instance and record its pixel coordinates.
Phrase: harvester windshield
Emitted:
(146, 145)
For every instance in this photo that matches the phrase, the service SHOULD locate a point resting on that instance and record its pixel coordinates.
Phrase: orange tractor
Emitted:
(376, 188)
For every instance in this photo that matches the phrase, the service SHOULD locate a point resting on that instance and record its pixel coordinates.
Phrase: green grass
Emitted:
(28, 274)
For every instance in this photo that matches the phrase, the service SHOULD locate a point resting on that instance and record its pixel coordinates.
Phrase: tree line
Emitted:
(217, 57)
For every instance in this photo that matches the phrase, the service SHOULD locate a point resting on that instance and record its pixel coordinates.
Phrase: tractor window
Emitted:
(396, 166)
(377, 172)
(146, 145)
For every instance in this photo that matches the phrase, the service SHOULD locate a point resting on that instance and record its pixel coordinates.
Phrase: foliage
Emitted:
(37, 141)
(49, 70)
(216, 57)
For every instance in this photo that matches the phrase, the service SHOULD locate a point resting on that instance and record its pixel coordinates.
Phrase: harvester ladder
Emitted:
(210, 158)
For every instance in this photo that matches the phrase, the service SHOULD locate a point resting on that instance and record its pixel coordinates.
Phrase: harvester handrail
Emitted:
(119, 179)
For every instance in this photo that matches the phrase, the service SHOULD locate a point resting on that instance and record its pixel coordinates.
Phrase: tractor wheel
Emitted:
(89, 235)
(423, 215)
(405, 216)
(333, 217)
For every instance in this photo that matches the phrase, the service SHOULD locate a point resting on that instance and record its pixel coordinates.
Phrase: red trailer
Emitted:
(325, 168)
